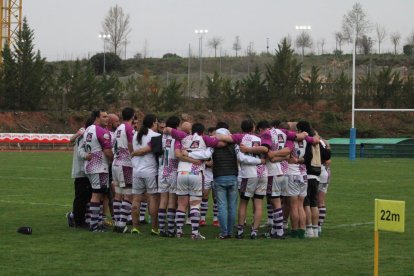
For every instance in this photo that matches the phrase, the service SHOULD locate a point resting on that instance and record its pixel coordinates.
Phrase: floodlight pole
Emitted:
(104, 37)
(303, 29)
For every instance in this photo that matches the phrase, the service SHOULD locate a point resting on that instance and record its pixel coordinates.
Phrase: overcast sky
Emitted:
(68, 29)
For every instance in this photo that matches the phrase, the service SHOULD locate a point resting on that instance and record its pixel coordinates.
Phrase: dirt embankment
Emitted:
(328, 123)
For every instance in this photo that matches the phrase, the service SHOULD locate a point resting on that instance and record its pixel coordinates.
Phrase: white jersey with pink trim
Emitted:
(247, 170)
(168, 163)
(278, 142)
(123, 136)
(208, 175)
(193, 142)
(145, 165)
(298, 152)
(96, 139)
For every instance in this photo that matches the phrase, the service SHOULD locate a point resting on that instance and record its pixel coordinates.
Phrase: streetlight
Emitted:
(200, 34)
(104, 37)
(267, 46)
(302, 28)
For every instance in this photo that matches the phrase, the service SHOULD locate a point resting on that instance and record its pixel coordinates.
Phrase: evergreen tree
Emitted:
(24, 76)
(9, 80)
(171, 97)
(109, 89)
(312, 87)
(283, 75)
(214, 85)
(342, 92)
(255, 91)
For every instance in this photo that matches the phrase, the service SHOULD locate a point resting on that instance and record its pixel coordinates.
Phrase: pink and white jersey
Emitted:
(298, 152)
(194, 143)
(113, 138)
(96, 139)
(250, 140)
(123, 136)
(168, 163)
(145, 165)
(278, 139)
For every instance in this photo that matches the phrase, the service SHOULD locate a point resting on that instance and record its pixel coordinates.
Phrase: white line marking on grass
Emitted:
(35, 203)
(349, 225)
(31, 178)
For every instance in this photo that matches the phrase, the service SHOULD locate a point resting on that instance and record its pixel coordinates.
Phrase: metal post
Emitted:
(104, 63)
(352, 137)
(200, 41)
(188, 77)
(267, 47)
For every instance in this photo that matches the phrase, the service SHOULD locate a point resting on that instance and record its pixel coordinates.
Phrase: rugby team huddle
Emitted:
(172, 166)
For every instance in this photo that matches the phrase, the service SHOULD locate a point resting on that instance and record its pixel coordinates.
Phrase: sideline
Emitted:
(35, 203)
(67, 205)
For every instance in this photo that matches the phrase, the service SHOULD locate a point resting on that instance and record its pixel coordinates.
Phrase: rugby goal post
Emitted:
(352, 136)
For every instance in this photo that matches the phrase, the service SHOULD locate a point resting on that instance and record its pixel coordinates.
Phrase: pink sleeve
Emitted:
(291, 135)
(309, 139)
(129, 132)
(178, 134)
(104, 137)
(237, 138)
(289, 144)
(210, 141)
(177, 144)
(266, 139)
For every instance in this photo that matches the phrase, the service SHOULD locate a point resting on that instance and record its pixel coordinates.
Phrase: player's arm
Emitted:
(104, 139)
(199, 154)
(279, 158)
(279, 153)
(142, 151)
(77, 134)
(253, 150)
(130, 135)
(247, 159)
(225, 138)
(312, 140)
(175, 133)
(180, 156)
(109, 154)
(82, 153)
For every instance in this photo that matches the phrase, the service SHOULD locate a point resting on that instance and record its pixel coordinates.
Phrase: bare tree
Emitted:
(410, 38)
(237, 44)
(381, 32)
(250, 49)
(321, 44)
(304, 40)
(339, 38)
(214, 43)
(145, 49)
(356, 20)
(116, 24)
(395, 39)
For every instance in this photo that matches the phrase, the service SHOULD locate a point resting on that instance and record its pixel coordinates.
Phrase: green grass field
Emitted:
(36, 190)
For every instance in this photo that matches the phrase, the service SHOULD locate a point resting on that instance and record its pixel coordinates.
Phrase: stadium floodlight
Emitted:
(104, 37)
(200, 33)
(303, 27)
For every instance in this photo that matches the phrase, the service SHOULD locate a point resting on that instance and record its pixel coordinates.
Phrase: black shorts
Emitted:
(312, 197)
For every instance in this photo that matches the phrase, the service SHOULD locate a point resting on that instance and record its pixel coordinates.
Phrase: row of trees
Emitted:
(28, 82)
(117, 25)
(282, 86)
(356, 23)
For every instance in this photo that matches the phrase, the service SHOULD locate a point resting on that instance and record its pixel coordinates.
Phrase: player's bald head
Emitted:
(113, 117)
(113, 121)
(186, 127)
